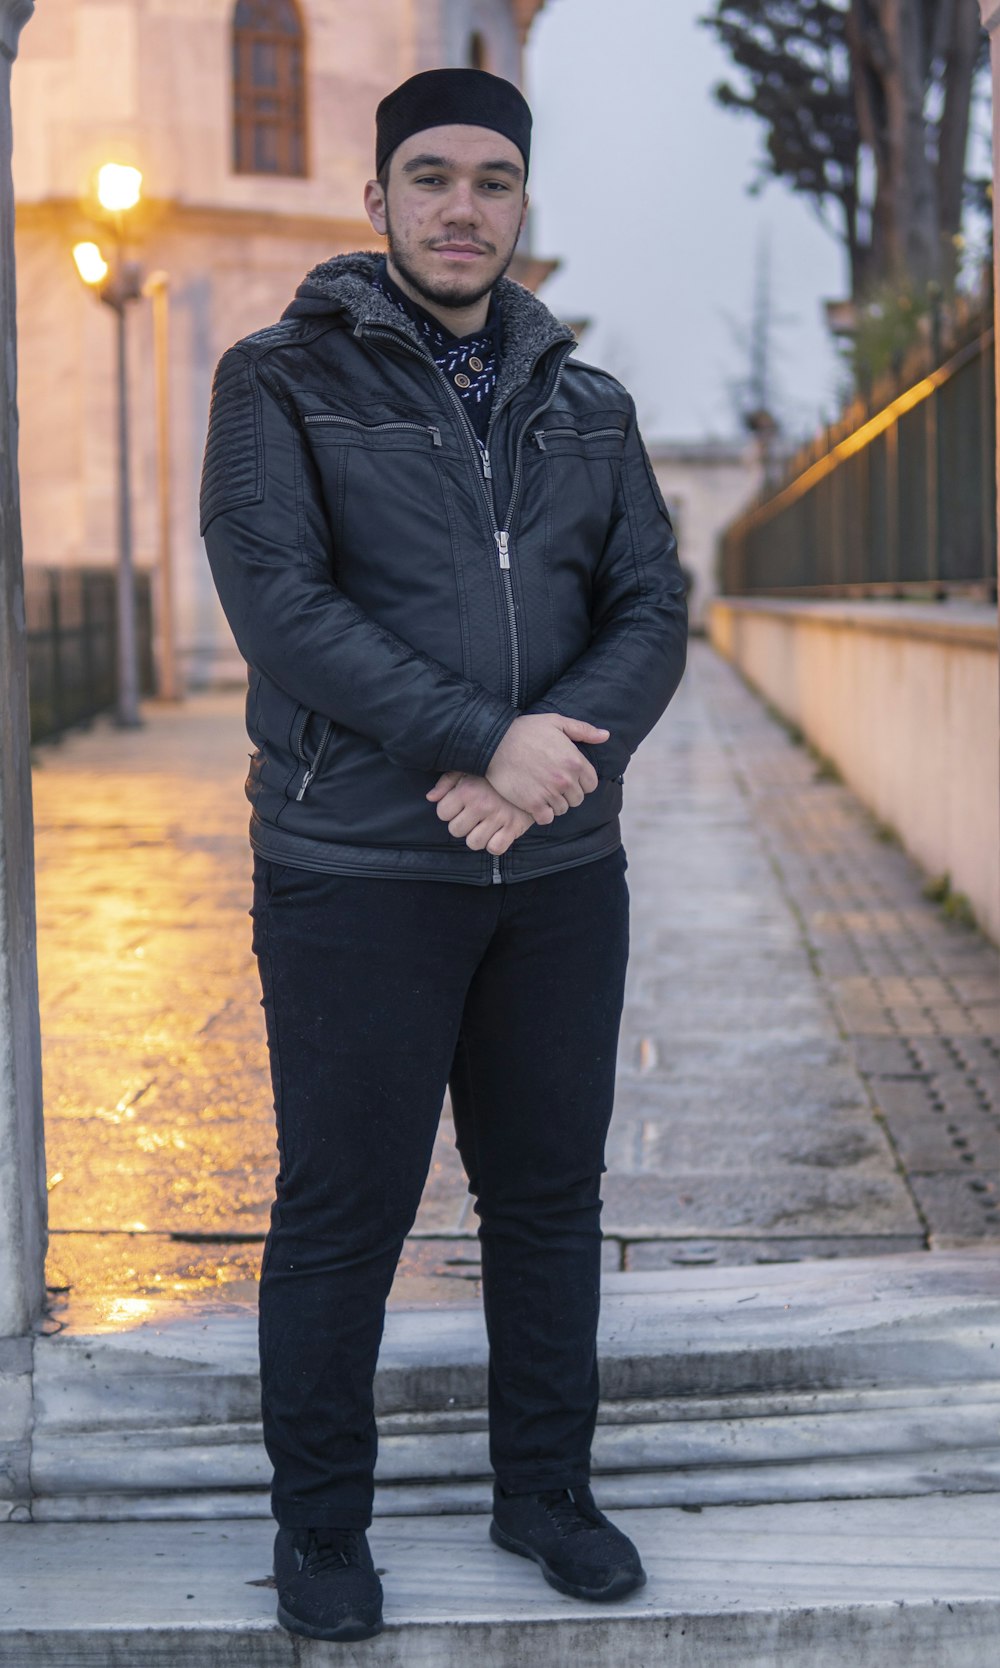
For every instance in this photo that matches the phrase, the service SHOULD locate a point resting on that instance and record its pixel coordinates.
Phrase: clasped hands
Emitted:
(535, 775)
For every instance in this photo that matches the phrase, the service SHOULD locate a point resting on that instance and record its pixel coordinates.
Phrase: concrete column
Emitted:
(22, 1169)
(989, 11)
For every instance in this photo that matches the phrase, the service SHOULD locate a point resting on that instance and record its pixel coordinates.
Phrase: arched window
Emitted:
(269, 92)
(478, 55)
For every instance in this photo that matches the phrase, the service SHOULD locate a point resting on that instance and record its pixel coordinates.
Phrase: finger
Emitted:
(454, 801)
(502, 840)
(444, 784)
(559, 805)
(577, 730)
(464, 823)
(574, 795)
(544, 814)
(512, 830)
(482, 835)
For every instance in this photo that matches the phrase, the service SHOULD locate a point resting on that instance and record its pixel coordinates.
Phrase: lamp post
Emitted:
(157, 287)
(118, 190)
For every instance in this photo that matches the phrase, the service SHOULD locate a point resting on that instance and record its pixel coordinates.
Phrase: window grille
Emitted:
(269, 99)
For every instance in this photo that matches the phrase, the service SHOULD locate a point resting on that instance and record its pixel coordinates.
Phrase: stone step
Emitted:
(842, 1444)
(720, 1385)
(874, 1583)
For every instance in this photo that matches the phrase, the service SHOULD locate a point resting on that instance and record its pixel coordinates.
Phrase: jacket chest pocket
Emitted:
(388, 501)
(376, 478)
(575, 466)
(585, 443)
(393, 435)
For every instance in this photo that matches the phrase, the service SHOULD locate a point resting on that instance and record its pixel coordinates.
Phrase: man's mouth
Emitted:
(459, 251)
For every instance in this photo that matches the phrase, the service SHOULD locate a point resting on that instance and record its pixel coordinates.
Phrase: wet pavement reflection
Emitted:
(159, 1125)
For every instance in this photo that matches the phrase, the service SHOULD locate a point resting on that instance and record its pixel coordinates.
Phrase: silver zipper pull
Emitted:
(503, 548)
(538, 435)
(435, 434)
(487, 466)
(307, 778)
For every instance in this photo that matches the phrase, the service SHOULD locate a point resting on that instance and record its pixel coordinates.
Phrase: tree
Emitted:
(913, 63)
(797, 81)
(838, 82)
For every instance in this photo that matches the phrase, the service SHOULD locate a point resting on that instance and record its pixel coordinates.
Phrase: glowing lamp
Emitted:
(90, 263)
(118, 187)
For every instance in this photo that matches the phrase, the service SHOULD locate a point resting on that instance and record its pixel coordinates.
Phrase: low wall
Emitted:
(904, 699)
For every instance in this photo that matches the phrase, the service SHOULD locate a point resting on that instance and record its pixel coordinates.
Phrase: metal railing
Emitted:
(896, 501)
(72, 664)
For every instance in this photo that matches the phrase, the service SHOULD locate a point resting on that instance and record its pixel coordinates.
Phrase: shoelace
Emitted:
(329, 1547)
(570, 1515)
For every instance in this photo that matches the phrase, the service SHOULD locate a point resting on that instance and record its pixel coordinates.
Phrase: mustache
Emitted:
(471, 242)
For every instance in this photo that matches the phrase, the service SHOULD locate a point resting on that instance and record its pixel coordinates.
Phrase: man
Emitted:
(444, 556)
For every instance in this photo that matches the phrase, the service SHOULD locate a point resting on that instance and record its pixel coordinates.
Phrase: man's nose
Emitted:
(462, 208)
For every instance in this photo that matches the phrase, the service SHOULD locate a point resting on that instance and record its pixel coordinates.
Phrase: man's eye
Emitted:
(429, 179)
(496, 185)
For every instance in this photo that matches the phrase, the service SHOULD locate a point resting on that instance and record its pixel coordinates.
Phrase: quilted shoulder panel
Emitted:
(275, 335)
(232, 472)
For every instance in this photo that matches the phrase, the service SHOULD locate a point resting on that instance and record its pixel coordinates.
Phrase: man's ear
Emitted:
(375, 206)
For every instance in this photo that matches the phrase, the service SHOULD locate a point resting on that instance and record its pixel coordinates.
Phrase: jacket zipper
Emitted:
(317, 760)
(502, 538)
(501, 535)
(352, 422)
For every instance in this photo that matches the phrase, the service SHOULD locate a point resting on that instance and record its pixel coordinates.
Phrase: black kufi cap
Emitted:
(443, 97)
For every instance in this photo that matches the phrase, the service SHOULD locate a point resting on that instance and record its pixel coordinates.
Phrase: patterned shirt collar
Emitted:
(469, 364)
(439, 337)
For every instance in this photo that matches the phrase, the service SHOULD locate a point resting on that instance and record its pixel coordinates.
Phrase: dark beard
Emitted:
(439, 296)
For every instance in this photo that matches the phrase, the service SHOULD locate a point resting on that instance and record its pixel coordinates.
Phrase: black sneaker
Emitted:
(578, 1550)
(327, 1585)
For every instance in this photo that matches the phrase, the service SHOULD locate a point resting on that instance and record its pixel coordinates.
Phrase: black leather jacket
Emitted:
(399, 597)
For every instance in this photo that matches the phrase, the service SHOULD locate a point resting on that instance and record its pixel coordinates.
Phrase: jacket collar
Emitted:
(529, 329)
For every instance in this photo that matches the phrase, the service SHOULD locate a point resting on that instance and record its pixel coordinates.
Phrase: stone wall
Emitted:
(150, 84)
(903, 699)
(22, 1173)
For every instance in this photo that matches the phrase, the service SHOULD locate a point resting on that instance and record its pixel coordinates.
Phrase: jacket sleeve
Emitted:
(635, 660)
(270, 552)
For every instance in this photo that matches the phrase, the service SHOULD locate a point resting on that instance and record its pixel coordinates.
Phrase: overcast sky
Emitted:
(639, 187)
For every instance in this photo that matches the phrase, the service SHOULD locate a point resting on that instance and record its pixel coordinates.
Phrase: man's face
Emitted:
(452, 211)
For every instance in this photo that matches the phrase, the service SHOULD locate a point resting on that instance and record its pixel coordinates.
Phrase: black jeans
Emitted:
(377, 993)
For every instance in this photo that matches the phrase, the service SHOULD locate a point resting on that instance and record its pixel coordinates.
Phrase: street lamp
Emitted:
(118, 190)
(118, 187)
(157, 287)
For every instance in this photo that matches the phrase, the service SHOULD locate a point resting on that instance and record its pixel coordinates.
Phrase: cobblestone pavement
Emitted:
(809, 1067)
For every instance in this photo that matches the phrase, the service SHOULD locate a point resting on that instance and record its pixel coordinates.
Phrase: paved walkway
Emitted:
(809, 1065)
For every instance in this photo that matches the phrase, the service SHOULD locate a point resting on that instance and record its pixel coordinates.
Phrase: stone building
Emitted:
(706, 483)
(252, 123)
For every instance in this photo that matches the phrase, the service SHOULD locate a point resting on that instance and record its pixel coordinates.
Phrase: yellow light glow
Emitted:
(118, 186)
(861, 437)
(90, 263)
(120, 1311)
